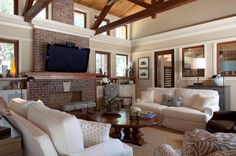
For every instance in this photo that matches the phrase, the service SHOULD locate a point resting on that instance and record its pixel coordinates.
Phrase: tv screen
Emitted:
(66, 59)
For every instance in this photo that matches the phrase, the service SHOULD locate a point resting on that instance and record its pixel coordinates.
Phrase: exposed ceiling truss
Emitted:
(151, 10)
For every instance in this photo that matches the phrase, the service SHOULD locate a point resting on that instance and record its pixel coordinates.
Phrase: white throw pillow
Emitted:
(63, 129)
(201, 102)
(21, 106)
(147, 96)
(94, 132)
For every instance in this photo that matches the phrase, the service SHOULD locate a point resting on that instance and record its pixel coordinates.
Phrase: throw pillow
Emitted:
(147, 96)
(4, 110)
(21, 106)
(173, 101)
(94, 132)
(199, 142)
(201, 102)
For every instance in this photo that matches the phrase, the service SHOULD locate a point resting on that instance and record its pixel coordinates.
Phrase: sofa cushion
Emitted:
(201, 143)
(154, 107)
(4, 110)
(188, 95)
(147, 96)
(185, 113)
(159, 92)
(21, 106)
(63, 128)
(35, 141)
(173, 101)
(201, 102)
(94, 132)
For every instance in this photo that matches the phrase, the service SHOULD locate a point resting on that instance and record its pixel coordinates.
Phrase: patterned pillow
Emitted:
(173, 101)
(201, 143)
(201, 102)
(94, 132)
(165, 150)
(224, 153)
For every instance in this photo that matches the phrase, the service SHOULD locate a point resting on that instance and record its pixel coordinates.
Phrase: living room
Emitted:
(130, 54)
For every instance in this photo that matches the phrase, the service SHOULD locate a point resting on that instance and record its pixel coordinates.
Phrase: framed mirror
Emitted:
(188, 54)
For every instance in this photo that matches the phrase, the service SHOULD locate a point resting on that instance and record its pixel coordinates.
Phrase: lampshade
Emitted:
(226, 66)
(198, 63)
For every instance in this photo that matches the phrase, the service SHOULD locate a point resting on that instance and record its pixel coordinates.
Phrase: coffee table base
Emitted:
(129, 135)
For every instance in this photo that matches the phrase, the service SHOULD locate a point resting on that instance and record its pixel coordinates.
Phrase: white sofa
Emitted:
(48, 132)
(181, 118)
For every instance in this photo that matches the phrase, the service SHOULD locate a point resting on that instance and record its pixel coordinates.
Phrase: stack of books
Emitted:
(147, 115)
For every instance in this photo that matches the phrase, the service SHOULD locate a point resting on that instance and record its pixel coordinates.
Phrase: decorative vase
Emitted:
(219, 81)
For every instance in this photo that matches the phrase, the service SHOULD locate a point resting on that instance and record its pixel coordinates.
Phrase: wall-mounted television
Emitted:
(61, 58)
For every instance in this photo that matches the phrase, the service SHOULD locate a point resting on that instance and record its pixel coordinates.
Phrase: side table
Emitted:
(10, 145)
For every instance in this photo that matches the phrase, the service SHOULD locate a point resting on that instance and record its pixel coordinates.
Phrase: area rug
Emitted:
(155, 136)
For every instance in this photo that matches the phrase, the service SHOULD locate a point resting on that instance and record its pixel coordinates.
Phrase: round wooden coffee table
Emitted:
(125, 129)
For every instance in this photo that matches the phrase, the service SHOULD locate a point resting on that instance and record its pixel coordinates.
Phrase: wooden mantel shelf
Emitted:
(60, 75)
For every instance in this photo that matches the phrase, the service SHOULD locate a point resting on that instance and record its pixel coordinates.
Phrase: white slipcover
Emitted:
(63, 129)
(35, 141)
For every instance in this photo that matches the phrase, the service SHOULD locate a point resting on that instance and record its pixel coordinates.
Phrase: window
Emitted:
(9, 6)
(103, 63)
(121, 32)
(80, 19)
(42, 14)
(226, 62)
(187, 56)
(104, 22)
(121, 65)
(9, 55)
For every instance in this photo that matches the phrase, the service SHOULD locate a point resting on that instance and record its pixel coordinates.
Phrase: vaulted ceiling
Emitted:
(122, 8)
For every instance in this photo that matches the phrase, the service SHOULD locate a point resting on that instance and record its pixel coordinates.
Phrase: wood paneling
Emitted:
(121, 8)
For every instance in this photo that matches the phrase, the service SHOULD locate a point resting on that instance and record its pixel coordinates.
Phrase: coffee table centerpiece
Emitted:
(125, 129)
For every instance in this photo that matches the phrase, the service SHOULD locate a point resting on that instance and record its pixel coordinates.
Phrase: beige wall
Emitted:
(207, 38)
(193, 13)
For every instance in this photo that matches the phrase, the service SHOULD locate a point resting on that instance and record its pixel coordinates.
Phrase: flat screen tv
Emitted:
(62, 58)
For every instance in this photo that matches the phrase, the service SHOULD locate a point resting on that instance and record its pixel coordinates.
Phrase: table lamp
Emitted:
(198, 63)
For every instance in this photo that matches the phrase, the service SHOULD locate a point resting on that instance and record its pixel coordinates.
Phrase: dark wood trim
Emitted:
(35, 9)
(140, 3)
(85, 17)
(172, 64)
(183, 52)
(16, 52)
(28, 5)
(107, 20)
(59, 75)
(156, 8)
(103, 13)
(108, 63)
(16, 5)
(127, 57)
(218, 58)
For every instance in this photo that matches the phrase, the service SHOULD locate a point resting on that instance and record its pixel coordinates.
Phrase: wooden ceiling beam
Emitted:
(153, 2)
(103, 14)
(156, 8)
(142, 4)
(28, 5)
(35, 9)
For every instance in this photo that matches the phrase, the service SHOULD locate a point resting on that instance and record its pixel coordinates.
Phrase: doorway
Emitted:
(164, 69)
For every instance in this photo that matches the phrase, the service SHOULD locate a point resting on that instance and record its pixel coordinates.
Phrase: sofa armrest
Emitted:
(94, 132)
(165, 150)
(111, 147)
